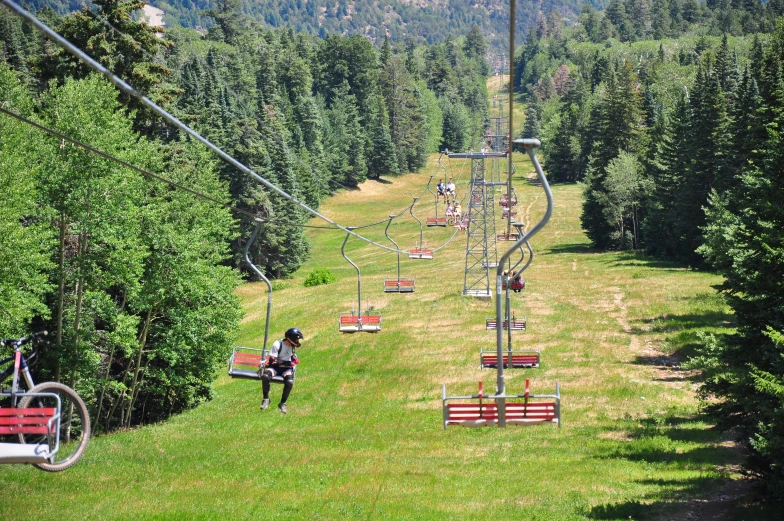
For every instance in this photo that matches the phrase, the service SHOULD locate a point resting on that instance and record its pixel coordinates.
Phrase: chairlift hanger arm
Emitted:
(246, 255)
(530, 145)
(359, 276)
(125, 87)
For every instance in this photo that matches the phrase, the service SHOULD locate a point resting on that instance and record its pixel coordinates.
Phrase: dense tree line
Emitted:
(397, 19)
(678, 145)
(135, 278)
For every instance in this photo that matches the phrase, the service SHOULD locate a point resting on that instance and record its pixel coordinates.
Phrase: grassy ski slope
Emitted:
(363, 438)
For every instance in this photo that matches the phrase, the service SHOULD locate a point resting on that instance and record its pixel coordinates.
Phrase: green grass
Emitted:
(363, 438)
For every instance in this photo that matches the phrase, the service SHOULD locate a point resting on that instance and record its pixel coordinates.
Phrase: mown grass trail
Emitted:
(363, 438)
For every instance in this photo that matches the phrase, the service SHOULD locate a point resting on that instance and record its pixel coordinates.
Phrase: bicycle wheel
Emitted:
(74, 424)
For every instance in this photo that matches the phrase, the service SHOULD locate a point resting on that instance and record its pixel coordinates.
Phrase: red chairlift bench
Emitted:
(420, 254)
(484, 411)
(508, 236)
(517, 325)
(504, 201)
(352, 323)
(245, 362)
(520, 359)
(35, 421)
(436, 221)
(505, 214)
(399, 286)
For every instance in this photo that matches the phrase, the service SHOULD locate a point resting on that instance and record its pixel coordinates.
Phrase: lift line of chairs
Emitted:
(501, 408)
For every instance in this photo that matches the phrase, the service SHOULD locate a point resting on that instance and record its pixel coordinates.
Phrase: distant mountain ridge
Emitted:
(400, 20)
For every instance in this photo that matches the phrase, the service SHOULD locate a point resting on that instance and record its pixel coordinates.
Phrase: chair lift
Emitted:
(419, 252)
(506, 212)
(398, 285)
(471, 414)
(435, 221)
(517, 281)
(510, 235)
(354, 321)
(530, 411)
(245, 362)
(506, 202)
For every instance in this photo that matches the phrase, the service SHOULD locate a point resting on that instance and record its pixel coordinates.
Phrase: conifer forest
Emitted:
(668, 113)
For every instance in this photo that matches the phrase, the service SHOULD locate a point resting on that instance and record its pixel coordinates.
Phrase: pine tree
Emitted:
(533, 118)
(382, 159)
(618, 127)
(709, 168)
(746, 370)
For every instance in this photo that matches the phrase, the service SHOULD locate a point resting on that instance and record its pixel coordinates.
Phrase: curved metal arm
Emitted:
(386, 232)
(529, 145)
(519, 228)
(411, 211)
(359, 276)
(435, 195)
(258, 272)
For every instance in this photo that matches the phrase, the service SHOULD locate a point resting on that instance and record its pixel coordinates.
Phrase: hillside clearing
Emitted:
(363, 438)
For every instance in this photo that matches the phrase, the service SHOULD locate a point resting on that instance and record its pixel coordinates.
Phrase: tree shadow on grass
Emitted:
(683, 335)
(667, 443)
(631, 259)
(576, 248)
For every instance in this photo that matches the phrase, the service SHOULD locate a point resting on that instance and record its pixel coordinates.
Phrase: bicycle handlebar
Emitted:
(24, 340)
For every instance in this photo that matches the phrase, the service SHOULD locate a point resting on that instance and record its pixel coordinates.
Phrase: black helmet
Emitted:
(294, 335)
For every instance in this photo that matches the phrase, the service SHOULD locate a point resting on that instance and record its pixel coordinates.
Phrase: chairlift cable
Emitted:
(125, 87)
(124, 163)
(239, 99)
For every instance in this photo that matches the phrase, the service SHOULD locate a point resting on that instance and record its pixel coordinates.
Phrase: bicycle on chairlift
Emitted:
(46, 425)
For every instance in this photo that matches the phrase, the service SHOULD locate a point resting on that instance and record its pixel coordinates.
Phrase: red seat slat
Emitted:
(25, 430)
(28, 411)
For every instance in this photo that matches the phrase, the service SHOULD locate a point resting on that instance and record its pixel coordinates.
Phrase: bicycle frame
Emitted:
(17, 368)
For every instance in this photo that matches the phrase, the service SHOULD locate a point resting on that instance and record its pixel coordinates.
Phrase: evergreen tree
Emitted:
(532, 127)
(381, 157)
(709, 162)
(746, 370)
(618, 126)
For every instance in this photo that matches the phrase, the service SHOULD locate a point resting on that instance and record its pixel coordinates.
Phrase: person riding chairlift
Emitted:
(441, 189)
(451, 188)
(517, 282)
(450, 213)
(281, 362)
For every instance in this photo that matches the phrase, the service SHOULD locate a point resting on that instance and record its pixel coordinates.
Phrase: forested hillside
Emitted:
(423, 21)
(133, 278)
(677, 143)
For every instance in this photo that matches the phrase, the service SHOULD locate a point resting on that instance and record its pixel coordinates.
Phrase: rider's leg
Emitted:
(266, 376)
(288, 384)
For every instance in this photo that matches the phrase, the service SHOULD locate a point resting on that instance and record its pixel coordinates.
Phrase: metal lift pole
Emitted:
(529, 145)
(411, 211)
(258, 272)
(512, 9)
(359, 280)
(386, 232)
(435, 196)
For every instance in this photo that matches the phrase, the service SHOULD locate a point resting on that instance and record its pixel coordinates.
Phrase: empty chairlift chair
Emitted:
(356, 321)
(479, 410)
(515, 324)
(419, 252)
(398, 285)
(523, 359)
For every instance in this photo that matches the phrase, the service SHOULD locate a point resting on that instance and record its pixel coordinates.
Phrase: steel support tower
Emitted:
(481, 253)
